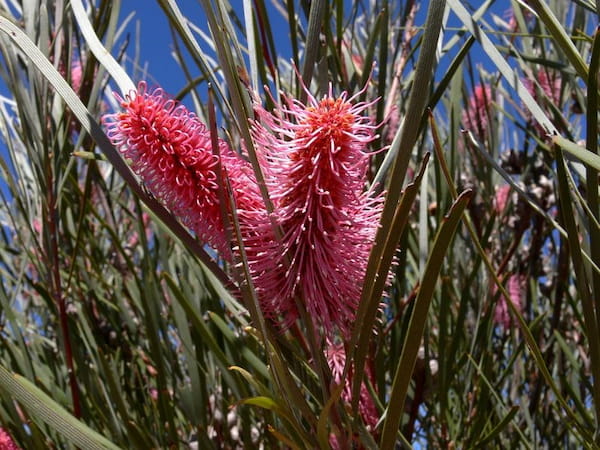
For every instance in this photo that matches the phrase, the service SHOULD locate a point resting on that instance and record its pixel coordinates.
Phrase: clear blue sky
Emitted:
(156, 41)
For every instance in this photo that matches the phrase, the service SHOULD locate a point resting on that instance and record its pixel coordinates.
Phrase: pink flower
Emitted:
(501, 198)
(550, 84)
(315, 162)
(170, 149)
(76, 70)
(6, 441)
(547, 89)
(336, 358)
(76, 75)
(476, 116)
(513, 25)
(514, 288)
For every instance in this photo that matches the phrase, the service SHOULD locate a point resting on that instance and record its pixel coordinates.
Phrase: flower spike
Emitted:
(170, 149)
(315, 161)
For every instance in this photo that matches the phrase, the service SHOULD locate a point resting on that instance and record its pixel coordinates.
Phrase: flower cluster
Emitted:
(6, 441)
(545, 87)
(314, 247)
(315, 168)
(476, 116)
(170, 149)
(336, 358)
(515, 287)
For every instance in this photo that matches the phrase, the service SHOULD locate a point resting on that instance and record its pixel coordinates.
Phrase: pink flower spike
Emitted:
(515, 287)
(170, 150)
(336, 359)
(315, 162)
(550, 84)
(501, 198)
(476, 116)
(76, 75)
(6, 441)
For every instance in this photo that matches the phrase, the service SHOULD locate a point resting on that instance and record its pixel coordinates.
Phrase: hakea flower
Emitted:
(513, 25)
(336, 359)
(476, 116)
(546, 89)
(315, 163)
(501, 198)
(515, 287)
(170, 149)
(76, 75)
(6, 441)
(550, 84)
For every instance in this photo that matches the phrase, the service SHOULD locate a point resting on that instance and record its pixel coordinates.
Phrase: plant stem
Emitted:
(57, 293)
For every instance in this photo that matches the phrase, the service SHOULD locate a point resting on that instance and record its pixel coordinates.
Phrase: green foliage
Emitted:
(118, 329)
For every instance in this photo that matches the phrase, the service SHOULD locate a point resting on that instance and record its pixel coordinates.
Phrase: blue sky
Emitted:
(156, 40)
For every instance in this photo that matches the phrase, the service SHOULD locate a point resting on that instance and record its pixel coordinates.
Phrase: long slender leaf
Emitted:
(405, 140)
(46, 410)
(418, 318)
(92, 127)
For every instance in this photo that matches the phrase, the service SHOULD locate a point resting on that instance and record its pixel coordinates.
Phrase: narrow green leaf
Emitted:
(312, 44)
(322, 432)
(581, 153)
(581, 275)
(293, 28)
(592, 174)
(444, 82)
(398, 156)
(418, 319)
(199, 325)
(180, 23)
(137, 439)
(257, 364)
(378, 266)
(271, 405)
(498, 428)
(100, 52)
(283, 438)
(257, 385)
(262, 402)
(511, 77)
(45, 410)
(564, 41)
(252, 47)
(498, 398)
(380, 23)
(531, 342)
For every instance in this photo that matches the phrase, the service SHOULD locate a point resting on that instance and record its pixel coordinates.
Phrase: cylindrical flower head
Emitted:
(6, 441)
(336, 359)
(315, 163)
(476, 116)
(515, 287)
(170, 150)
